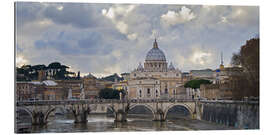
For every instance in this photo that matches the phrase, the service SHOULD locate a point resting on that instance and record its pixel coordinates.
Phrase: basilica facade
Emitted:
(154, 79)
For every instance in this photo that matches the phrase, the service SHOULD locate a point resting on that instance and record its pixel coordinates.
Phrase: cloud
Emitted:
(27, 12)
(20, 61)
(117, 15)
(200, 57)
(113, 38)
(132, 36)
(182, 16)
(244, 16)
(78, 15)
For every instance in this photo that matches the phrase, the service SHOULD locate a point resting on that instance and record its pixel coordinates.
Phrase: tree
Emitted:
(54, 65)
(108, 93)
(78, 76)
(196, 83)
(248, 59)
(58, 70)
(55, 70)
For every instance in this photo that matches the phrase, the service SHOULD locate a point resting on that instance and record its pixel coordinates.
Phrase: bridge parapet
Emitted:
(229, 101)
(96, 101)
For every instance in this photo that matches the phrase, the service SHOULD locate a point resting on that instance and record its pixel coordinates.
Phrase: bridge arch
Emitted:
(110, 107)
(177, 104)
(26, 110)
(144, 105)
(48, 112)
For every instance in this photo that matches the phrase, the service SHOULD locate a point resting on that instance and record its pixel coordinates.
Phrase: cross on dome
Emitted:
(155, 53)
(155, 45)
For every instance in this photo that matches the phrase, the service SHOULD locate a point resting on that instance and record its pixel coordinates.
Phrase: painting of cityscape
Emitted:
(88, 67)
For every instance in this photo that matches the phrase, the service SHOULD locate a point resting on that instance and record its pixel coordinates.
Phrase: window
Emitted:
(177, 74)
(148, 91)
(140, 93)
(156, 93)
(134, 74)
(166, 91)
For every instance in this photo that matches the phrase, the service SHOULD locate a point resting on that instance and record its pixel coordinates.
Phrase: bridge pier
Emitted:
(120, 116)
(38, 118)
(159, 116)
(198, 111)
(80, 113)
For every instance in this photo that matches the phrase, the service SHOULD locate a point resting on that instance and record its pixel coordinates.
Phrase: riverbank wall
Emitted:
(242, 115)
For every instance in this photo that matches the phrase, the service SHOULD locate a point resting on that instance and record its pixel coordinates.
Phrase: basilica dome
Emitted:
(155, 54)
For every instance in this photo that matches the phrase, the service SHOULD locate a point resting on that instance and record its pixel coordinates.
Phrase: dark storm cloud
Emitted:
(94, 44)
(90, 43)
(27, 12)
(61, 45)
(79, 15)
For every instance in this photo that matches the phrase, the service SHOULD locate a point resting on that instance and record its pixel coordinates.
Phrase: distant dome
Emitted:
(140, 67)
(171, 67)
(155, 54)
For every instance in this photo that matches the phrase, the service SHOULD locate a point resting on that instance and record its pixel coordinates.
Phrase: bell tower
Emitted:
(221, 66)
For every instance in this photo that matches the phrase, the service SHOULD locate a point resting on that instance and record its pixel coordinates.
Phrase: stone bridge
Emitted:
(240, 114)
(40, 110)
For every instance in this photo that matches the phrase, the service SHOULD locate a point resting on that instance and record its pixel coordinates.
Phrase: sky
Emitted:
(103, 39)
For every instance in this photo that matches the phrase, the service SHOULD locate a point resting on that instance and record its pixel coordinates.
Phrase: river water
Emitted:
(104, 123)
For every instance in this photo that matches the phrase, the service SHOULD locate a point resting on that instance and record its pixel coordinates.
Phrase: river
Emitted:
(104, 123)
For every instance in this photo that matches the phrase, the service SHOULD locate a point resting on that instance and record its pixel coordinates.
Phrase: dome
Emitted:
(171, 67)
(140, 67)
(155, 54)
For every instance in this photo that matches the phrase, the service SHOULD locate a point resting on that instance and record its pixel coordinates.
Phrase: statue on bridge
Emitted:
(82, 95)
(70, 93)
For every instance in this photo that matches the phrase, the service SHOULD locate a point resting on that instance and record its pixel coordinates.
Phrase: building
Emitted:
(36, 90)
(216, 91)
(154, 79)
(186, 77)
(61, 89)
(226, 80)
(25, 91)
(225, 74)
(90, 86)
(121, 85)
(207, 74)
(52, 91)
(74, 85)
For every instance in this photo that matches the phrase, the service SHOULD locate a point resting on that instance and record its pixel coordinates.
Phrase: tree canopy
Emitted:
(55, 69)
(109, 93)
(248, 59)
(196, 83)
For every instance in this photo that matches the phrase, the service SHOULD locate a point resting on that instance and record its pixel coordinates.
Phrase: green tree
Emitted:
(196, 83)
(59, 71)
(108, 93)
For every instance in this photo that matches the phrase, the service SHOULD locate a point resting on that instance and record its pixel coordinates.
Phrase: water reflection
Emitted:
(103, 123)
